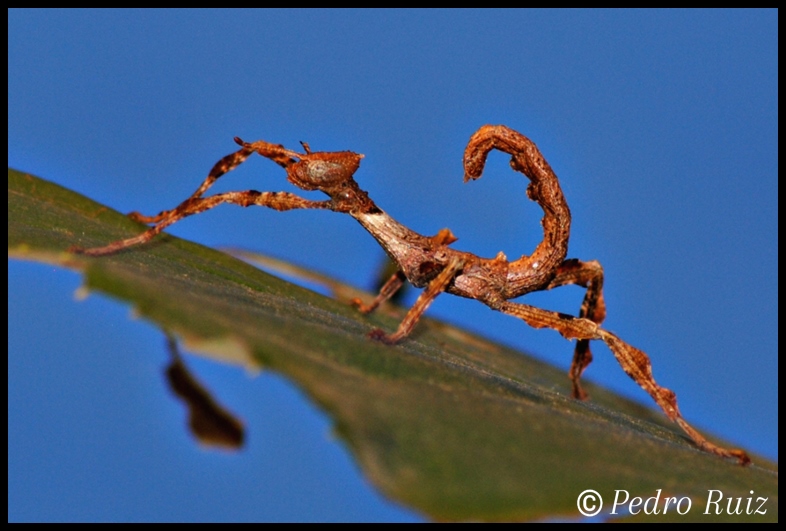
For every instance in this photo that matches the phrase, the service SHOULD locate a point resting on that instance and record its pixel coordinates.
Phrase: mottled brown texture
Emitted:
(429, 262)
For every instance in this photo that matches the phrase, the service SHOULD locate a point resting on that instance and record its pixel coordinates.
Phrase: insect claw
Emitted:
(378, 334)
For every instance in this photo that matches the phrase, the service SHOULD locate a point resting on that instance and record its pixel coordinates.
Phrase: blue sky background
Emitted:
(662, 126)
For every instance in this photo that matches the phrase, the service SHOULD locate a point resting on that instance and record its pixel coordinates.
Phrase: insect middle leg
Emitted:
(396, 281)
(588, 275)
(434, 288)
(389, 289)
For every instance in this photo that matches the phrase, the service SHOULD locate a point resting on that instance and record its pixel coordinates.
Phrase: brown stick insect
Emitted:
(428, 261)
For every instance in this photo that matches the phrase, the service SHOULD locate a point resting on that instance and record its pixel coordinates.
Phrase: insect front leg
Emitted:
(276, 200)
(196, 203)
(220, 168)
(588, 275)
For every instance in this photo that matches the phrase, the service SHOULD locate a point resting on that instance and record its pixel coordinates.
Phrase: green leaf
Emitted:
(448, 423)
